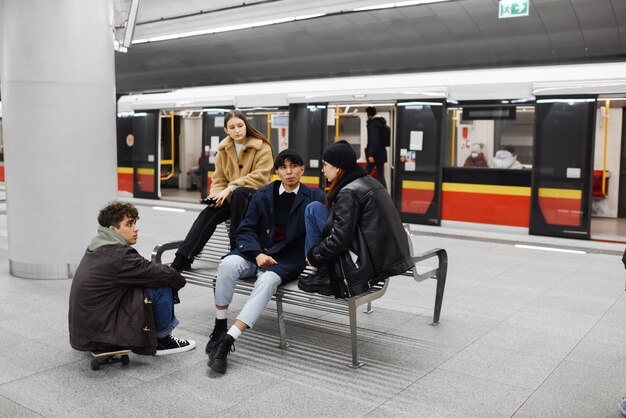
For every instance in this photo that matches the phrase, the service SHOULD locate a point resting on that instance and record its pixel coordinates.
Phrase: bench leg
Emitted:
(282, 330)
(353, 338)
(441, 285)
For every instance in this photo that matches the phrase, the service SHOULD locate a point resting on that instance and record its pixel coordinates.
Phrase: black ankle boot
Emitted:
(219, 330)
(181, 263)
(317, 283)
(218, 359)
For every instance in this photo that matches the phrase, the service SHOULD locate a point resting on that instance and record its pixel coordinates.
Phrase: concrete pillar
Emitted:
(58, 97)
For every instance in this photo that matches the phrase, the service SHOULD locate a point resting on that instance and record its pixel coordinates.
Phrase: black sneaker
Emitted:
(316, 283)
(181, 263)
(216, 336)
(218, 359)
(170, 345)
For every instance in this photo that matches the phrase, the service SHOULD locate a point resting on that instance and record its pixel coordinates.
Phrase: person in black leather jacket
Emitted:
(357, 239)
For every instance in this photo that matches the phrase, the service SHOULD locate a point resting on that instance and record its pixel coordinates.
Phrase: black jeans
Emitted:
(206, 222)
(380, 168)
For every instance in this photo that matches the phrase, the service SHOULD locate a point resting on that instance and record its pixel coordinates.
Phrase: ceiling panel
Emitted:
(458, 34)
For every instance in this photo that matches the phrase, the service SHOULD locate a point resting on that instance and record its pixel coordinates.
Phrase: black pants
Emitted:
(380, 168)
(206, 222)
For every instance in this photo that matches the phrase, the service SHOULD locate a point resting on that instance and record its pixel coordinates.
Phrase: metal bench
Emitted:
(205, 271)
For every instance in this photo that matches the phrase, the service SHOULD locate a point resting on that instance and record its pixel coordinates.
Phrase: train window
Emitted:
(488, 141)
(271, 122)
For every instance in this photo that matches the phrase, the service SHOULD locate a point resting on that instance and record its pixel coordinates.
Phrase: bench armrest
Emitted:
(159, 249)
(439, 271)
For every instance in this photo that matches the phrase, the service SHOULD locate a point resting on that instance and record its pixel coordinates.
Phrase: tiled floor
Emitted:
(523, 333)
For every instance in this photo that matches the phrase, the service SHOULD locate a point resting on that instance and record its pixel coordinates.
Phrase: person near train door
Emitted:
(269, 245)
(120, 300)
(243, 164)
(375, 151)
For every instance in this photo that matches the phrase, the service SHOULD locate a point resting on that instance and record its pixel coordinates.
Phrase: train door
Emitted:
(146, 155)
(169, 174)
(307, 130)
(348, 121)
(562, 167)
(417, 160)
(212, 134)
(608, 193)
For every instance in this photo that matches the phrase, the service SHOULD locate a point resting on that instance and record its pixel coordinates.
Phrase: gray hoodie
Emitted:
(504, 159)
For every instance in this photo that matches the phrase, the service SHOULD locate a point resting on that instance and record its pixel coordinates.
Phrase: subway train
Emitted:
(560, 127)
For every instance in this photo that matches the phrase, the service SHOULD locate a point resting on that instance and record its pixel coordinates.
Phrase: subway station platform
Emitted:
(524, 332)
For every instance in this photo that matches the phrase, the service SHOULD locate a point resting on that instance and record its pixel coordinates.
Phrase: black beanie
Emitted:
(341, 155)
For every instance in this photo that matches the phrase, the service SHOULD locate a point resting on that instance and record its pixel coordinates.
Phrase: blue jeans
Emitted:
(234, 267)
(315, 216)
(163, 310)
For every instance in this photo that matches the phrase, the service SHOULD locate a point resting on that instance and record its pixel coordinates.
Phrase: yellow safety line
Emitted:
(486, 189)
(560, 193)
(420, 185)
(145, 171)
(124, 170)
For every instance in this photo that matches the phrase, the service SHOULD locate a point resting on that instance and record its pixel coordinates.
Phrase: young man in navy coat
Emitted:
(270, 245)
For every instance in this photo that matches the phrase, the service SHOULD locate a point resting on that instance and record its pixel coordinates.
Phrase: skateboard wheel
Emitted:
(125, 359)
(95, 364)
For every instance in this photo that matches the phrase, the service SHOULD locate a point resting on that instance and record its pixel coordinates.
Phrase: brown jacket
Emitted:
(108, 303)
(253, 169)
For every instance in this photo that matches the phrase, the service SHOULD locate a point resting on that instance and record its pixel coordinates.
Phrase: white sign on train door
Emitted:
(513, 8)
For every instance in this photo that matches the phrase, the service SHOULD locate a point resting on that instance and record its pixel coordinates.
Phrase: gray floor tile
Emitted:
(447, 394)
(57, 391)
(11, 409)
(576, 390)
(553, 344)
(505, 366)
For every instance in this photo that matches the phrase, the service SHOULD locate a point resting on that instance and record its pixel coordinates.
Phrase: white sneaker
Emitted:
(170, 345)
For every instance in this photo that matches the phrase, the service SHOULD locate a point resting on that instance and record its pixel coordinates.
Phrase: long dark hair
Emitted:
(332, 186)
(251, 131)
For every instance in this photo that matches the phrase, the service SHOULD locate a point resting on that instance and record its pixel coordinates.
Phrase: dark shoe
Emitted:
(170, 345)
(218, 359)
(181, 263)
(216, 336)
(317, 283)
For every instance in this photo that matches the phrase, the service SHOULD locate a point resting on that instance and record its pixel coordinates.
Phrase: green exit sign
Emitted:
(512, 8)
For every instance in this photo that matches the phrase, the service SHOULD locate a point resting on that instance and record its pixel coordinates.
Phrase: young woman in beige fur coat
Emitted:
(243, 164)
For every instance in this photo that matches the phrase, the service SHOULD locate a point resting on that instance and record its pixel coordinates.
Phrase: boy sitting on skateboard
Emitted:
(118, 298)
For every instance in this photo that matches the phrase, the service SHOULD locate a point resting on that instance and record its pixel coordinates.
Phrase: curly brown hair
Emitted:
(114, 212)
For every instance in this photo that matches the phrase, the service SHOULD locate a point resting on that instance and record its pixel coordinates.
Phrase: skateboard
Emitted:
(102, 358)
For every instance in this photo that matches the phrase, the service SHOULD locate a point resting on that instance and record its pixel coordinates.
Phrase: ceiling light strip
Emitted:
(396, 4)
(228, 28)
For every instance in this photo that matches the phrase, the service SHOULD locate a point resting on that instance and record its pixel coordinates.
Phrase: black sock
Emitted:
(221, 324)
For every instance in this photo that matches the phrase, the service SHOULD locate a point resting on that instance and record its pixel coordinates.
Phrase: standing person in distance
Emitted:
(375, 151)
(243, 164)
